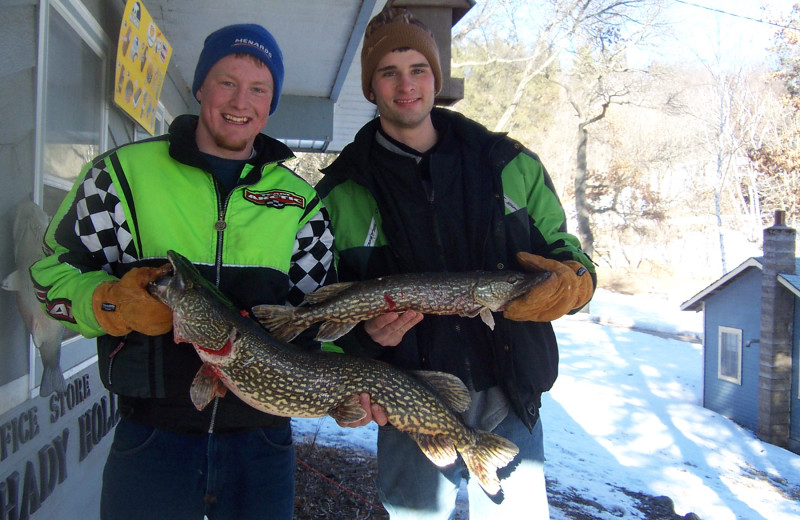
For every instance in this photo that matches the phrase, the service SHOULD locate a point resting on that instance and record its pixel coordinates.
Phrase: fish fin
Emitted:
(472, 312)
(327, 292)
(333, 330)
(484, 312)
(439, 449)
(348, 411)
(13, 282)
(46, 334)
(486, 456)
(205, 387)
(279, 321)
(52, 380)
(448, 387)
(486, 316)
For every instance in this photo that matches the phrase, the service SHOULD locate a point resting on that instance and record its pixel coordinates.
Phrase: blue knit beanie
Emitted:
(250, 38)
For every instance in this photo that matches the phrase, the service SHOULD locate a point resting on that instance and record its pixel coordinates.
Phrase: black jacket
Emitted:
(487, 198)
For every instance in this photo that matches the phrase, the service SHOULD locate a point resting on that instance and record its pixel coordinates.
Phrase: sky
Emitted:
(702, 32)
(626, 412)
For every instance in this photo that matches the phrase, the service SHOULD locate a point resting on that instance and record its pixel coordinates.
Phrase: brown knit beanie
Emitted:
(396, 28)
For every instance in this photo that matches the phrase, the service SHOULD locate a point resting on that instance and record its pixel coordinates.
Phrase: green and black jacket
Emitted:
(492, 199)
(268, 240)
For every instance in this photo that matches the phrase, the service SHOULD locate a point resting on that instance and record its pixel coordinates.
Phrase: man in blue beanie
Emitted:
(243, 38)
(207, 189)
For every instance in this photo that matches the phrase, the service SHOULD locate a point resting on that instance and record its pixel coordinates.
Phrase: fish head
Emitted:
(200, 313)
(497, 289)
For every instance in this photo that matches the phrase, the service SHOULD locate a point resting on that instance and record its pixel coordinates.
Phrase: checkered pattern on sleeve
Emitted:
(312, 258)
(100, 221)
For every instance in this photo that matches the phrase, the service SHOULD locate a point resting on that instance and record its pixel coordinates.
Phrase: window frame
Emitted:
(91, 33)
(737, 334)
(82, 352)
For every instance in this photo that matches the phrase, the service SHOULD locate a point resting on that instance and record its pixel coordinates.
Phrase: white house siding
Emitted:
(53, 448)
(18, 23)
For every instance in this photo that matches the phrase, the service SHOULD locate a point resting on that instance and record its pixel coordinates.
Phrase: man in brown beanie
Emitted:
(423, 189)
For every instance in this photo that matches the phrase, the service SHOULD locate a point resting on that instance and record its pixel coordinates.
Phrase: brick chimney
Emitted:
(775, 359)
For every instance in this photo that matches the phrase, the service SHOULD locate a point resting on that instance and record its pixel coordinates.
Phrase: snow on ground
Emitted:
(626, 414)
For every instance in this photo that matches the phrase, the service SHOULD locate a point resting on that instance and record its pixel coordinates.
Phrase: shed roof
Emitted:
(695, 303)
(790, 281)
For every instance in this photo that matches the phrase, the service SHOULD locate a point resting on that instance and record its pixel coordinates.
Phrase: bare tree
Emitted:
(737, 112)
(596, 33)
(777, 157)
(720, 140)
(600, 76)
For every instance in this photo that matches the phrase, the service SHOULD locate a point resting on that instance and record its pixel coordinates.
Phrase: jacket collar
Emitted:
(353, 161)
(183, 147)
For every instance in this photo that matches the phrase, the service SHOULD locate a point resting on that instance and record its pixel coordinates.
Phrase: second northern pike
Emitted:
(341, 306)
(277, 378)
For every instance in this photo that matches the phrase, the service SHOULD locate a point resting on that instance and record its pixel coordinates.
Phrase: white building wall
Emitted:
(52, 448)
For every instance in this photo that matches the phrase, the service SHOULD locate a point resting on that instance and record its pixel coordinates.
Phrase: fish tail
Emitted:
(280, 320)
(52, 381)
(490, 453)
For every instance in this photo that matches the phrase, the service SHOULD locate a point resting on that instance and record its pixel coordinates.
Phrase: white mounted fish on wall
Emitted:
(30, 224)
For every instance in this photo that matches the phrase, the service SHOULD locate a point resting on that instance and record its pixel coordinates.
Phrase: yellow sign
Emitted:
(143, 54)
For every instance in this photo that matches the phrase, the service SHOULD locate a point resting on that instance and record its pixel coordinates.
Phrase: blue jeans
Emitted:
(157, 474)
(411, 487)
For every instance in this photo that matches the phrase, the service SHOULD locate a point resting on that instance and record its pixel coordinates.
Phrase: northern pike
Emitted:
(278, 378)
(341, 306)
(30, 224)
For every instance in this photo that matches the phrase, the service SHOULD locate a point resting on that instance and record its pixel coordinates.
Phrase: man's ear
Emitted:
(199, 95)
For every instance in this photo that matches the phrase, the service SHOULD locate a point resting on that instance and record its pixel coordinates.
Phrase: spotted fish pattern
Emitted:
(277, 378)
(341, 306)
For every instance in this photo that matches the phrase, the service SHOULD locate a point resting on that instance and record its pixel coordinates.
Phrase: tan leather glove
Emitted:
(569, 287)
(125, 305)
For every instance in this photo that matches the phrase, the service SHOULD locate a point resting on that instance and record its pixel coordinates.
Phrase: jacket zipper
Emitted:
(219, 226)
(222, 208)
(490, 234)
(437, 231)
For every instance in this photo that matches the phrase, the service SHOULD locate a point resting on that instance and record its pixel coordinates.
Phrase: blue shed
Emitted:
(751, 335)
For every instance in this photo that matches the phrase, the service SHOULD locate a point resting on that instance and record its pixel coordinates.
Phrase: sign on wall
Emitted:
(143, 55)
(52, 451)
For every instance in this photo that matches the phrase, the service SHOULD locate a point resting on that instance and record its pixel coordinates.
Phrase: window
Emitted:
(72, 122)
(730, 355)
(72, 101)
